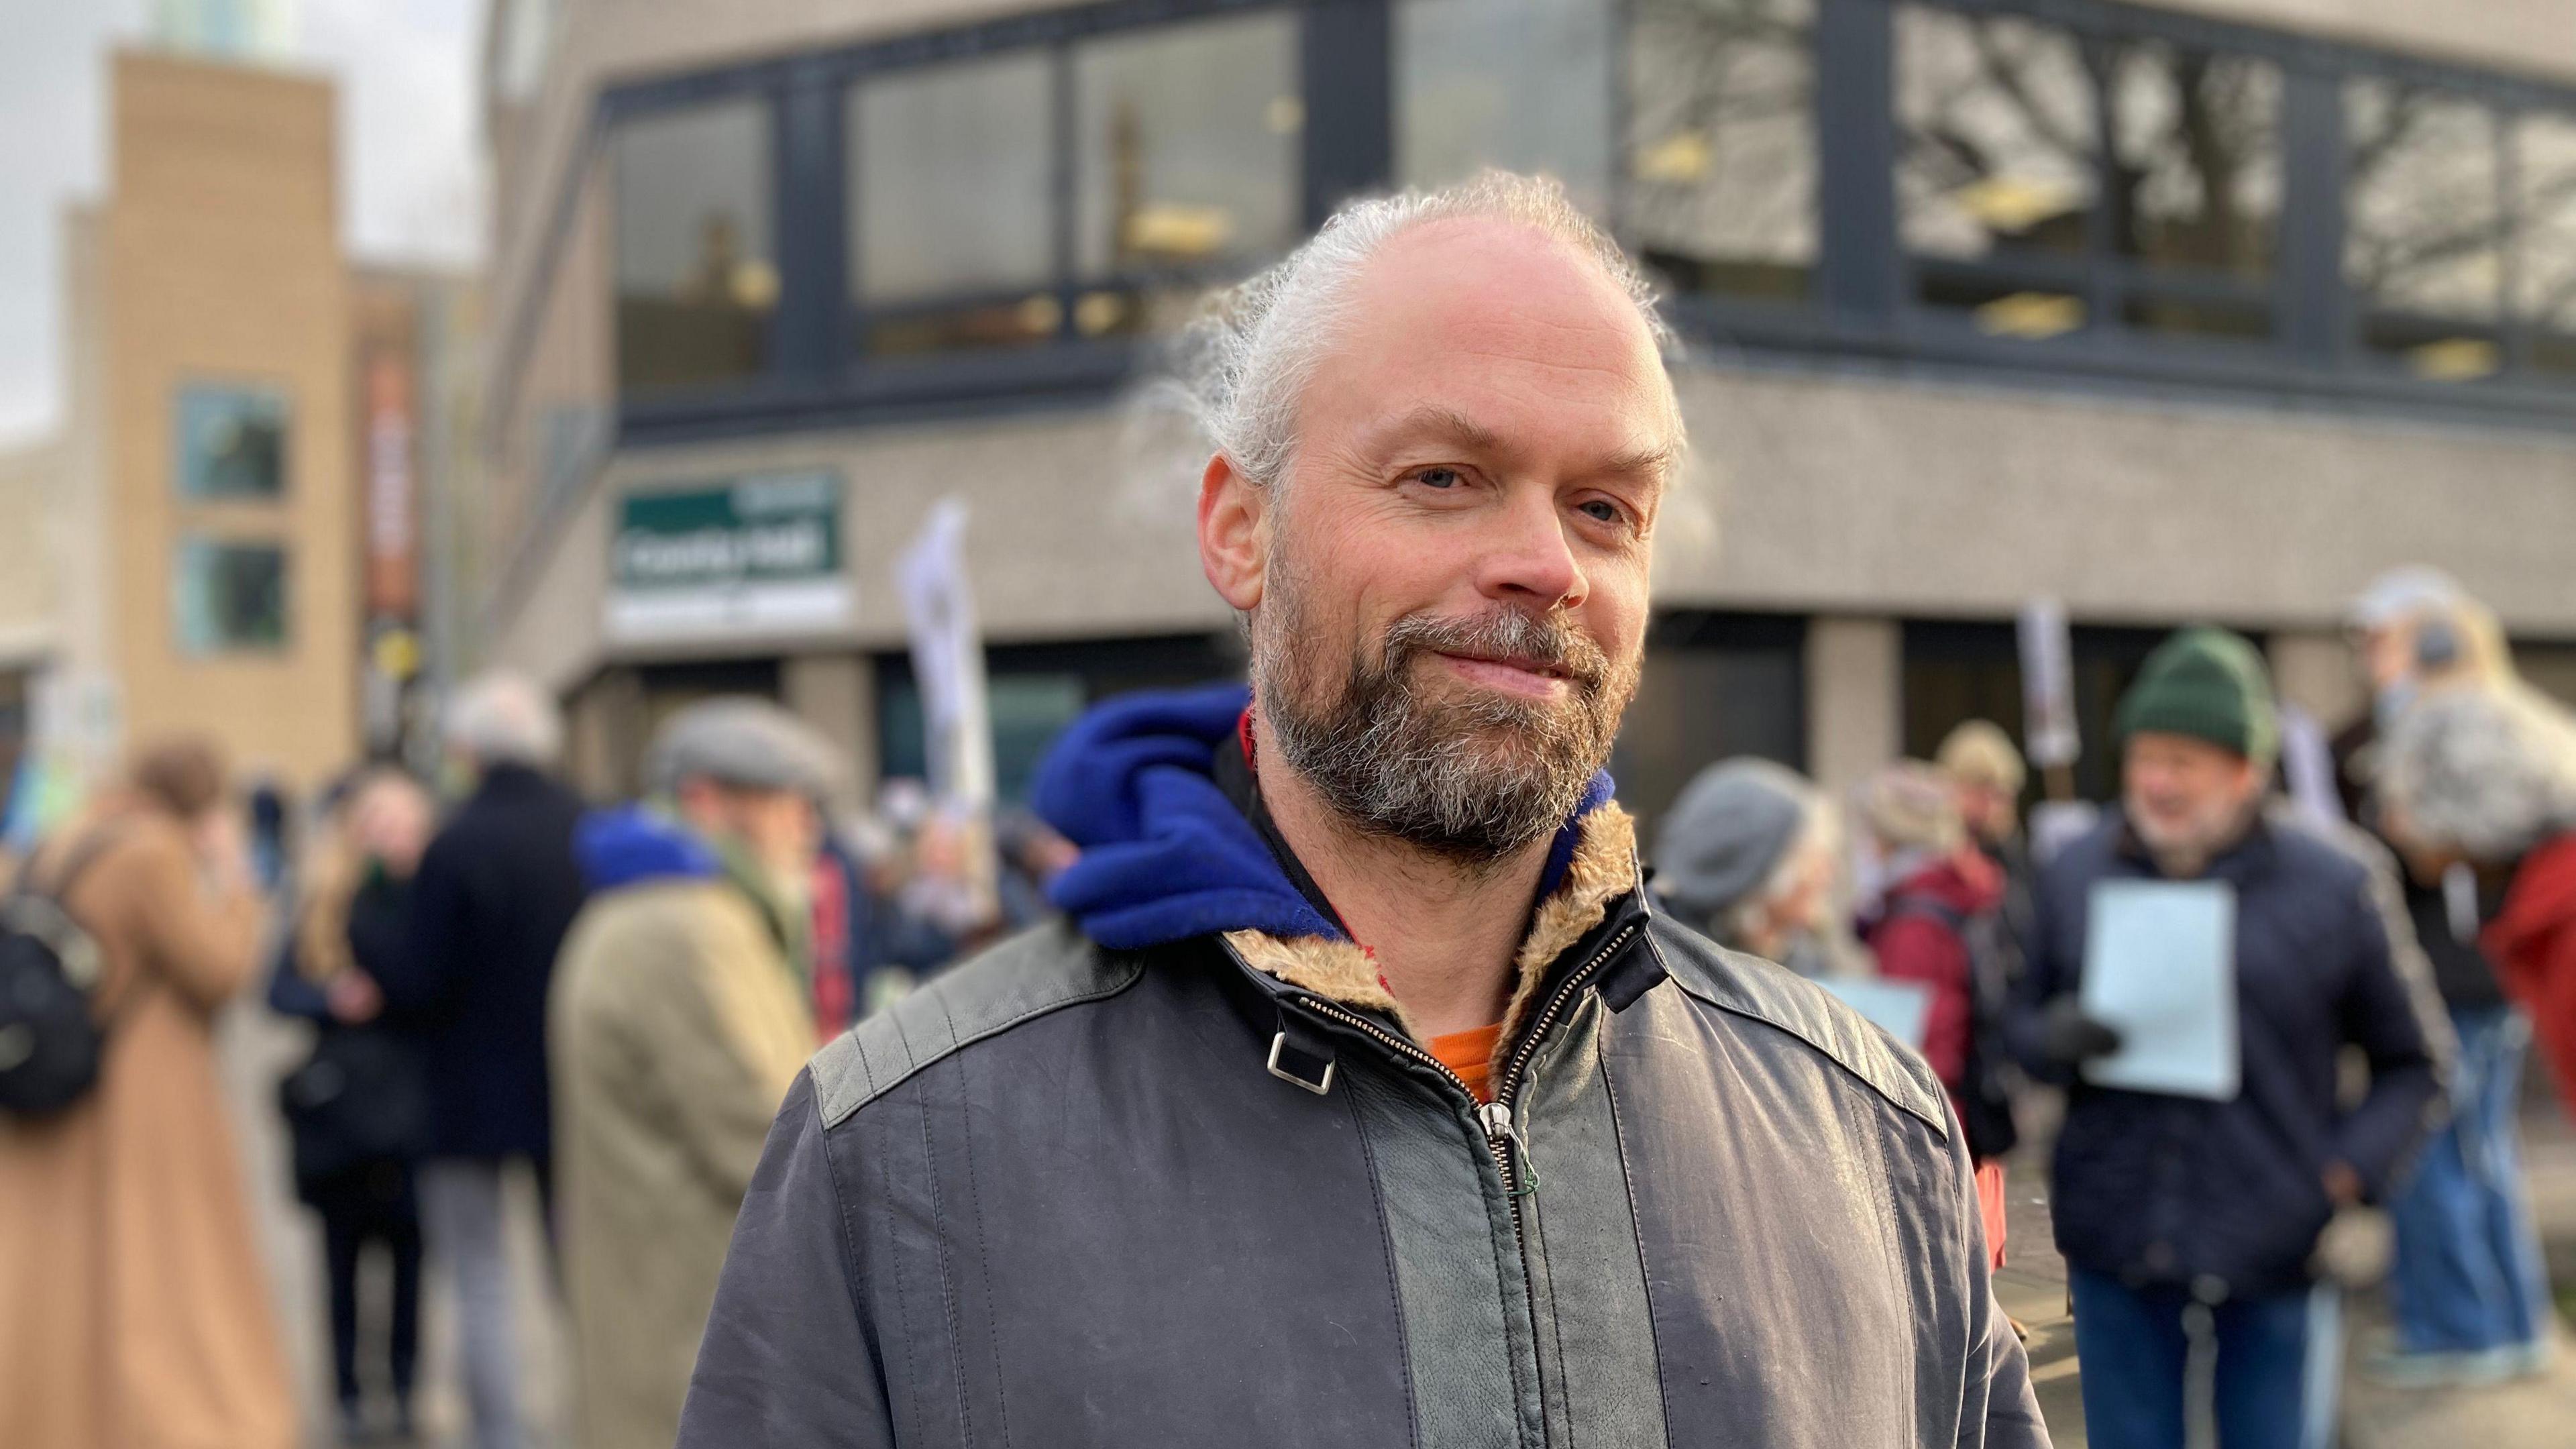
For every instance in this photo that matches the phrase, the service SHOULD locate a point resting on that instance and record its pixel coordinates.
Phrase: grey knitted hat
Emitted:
(744, 742)
(1726, 835)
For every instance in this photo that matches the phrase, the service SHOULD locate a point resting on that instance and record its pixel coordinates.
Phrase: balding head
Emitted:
(1247, 361)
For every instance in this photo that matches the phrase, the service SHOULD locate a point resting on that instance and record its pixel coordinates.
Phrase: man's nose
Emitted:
(1525, 557)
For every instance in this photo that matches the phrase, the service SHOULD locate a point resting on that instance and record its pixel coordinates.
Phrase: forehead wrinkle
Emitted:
(1438, 422)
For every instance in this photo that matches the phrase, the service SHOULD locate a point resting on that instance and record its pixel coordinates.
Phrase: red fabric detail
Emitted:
(1991, 1206)
(831, 951)
(2533, 943)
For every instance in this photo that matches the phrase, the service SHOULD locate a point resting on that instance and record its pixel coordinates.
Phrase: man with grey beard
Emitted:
(1364, 1099)
(2184, 1219)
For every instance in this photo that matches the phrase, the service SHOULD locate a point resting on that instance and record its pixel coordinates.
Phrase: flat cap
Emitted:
(737, 740)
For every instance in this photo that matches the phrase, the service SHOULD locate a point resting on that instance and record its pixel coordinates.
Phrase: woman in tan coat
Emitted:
(134, 1311)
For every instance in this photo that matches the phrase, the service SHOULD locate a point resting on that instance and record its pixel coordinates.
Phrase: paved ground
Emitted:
(258, 1048)
(2538, 1414)
(2534, 1414)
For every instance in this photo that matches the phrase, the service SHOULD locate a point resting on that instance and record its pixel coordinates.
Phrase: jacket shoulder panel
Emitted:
(1750, 987)
(1042, 969)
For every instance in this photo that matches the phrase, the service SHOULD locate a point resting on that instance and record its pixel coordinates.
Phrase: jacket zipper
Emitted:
(1497, 1118)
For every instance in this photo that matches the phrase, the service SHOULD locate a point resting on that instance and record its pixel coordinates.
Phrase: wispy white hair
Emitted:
(502, 718)
(2488, 770)
(1243, 364)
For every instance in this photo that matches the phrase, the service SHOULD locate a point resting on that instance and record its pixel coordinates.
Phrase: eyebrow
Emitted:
(1443, 422)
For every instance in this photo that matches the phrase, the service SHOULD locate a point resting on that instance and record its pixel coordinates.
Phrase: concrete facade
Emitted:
(221, 260)
(30, 487)
(1852, 495)
(214, 259)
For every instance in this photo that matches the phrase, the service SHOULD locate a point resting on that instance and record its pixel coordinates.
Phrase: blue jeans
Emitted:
(2469, 1275)
(2279, 1362)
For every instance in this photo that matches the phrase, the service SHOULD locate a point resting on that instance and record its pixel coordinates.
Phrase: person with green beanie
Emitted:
(2181, 1217)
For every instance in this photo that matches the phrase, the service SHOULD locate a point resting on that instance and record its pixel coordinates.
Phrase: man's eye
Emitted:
(1606, 512)
(1439, 477)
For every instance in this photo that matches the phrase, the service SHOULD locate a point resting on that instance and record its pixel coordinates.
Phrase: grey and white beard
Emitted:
(2186, 853)
(1471, 777)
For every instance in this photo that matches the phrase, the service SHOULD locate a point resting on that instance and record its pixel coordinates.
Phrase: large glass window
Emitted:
(229, 595)
(2197, 163)
(1521, 84)
(2546, 277)
(2043, 175)
(1187, 147)
(2424, 226)
(1996, 130)
(1997, 133)
(951, 205)
(1722, 143)
(697, 276)
(231, 442)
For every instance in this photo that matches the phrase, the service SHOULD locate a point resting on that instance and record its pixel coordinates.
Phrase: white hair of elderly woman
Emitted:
(1240, 367)
(2487, 770)
(502, 718)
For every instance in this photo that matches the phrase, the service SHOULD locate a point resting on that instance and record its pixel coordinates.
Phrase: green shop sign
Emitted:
(756, 555)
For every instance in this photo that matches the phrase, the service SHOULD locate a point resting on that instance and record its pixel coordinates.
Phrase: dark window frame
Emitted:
(1862, 311)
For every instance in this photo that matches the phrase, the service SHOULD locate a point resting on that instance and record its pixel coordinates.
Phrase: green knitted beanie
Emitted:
(2208, 684)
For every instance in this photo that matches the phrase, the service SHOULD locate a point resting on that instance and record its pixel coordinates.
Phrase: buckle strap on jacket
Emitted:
(1301, 1054)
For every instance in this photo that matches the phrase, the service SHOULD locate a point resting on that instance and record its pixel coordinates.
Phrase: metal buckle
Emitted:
(1319, 1087)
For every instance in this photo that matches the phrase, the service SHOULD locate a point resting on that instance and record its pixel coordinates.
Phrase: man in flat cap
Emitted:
(678, 1021)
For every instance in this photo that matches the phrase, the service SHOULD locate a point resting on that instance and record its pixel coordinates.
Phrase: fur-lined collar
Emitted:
(1603, 867)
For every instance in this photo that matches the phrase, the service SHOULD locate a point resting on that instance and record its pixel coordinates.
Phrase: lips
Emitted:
(1529, 666)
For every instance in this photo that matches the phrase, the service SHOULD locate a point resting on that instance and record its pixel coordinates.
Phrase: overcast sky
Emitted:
(410, 163)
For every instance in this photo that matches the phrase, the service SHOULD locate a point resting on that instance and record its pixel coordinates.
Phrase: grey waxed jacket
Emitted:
(1212, 1193)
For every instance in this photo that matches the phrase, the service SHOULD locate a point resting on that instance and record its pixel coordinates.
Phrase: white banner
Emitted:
(2047, 685)
(948, 659)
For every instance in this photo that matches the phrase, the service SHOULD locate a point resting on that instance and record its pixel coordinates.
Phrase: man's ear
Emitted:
(1234, 518)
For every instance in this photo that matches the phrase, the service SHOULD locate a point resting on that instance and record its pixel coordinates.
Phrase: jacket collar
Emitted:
(1171, 853)
(1600, 874)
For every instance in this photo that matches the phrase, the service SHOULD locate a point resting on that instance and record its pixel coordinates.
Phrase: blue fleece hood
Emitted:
(1165, 855)
(634, 843)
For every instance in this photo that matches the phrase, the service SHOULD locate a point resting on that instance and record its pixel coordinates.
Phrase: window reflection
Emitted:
(1188, 145)
(1996, 136)
(232, 442)
(1722, 143)
(1521, 84)
(2546, 264)
(950, 206)
(229, 595)
(697, 278)
(2197, 165)
(2424, 227)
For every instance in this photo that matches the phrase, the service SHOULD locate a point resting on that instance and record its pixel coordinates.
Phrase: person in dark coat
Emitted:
(495, 893)
(357, 1108)
(2183, 1218)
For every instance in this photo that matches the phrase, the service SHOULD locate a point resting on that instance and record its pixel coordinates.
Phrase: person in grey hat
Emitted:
(680, 1016)
(1747, 855)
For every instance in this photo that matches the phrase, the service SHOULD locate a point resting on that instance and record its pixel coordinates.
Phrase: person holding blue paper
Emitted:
(2198, 1217)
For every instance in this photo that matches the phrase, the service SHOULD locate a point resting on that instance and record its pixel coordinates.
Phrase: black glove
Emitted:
(2070, 1038)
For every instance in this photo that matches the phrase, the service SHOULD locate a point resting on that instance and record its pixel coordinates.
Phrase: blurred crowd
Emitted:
(617, 999)
(611, 1000)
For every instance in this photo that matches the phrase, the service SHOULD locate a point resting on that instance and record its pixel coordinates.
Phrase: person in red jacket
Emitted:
(1936, 888)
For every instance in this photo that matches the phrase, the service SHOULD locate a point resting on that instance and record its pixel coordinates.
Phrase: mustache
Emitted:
(1509, 636)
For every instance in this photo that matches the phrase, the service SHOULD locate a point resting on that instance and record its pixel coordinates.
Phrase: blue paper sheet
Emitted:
(1900, 1008)
(2160, 969)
